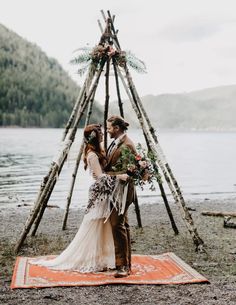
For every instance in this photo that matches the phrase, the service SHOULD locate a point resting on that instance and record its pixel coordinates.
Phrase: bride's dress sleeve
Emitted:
(106, 187)
(103, 186)
(94, 165)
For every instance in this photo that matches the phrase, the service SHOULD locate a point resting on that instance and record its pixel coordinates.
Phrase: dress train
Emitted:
(92, 248)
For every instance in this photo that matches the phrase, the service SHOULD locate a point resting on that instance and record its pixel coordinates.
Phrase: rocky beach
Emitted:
(217, 263)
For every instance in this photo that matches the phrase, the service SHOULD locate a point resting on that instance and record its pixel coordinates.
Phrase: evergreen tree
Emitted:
(34, 89)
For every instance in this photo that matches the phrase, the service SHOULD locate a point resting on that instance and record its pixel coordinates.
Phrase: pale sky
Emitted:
(186, 44)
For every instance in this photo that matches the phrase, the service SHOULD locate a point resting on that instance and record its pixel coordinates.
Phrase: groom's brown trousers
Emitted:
(121, 233)
(119, 223)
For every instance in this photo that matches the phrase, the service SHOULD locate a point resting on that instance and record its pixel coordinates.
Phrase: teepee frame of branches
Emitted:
(109, 41)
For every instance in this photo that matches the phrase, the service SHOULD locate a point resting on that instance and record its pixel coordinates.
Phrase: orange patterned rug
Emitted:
(166, 268)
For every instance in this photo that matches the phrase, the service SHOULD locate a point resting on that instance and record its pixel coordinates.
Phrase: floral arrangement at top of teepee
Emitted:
(86, 56)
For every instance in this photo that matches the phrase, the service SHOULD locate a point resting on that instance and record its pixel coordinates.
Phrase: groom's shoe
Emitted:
(122, 271)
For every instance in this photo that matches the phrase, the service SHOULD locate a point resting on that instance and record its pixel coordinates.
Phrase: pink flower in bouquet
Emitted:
(138, 157)
(143, 164)
(111, 51)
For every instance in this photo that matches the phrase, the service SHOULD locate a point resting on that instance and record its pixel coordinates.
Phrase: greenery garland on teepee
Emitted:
(86, 56)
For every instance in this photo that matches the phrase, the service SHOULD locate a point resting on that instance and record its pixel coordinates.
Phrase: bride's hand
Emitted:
(122, 177)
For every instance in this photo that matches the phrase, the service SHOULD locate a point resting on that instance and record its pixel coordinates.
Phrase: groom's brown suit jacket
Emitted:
(112, 160)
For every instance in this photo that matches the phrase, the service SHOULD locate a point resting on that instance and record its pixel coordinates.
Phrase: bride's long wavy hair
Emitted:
(91, 138)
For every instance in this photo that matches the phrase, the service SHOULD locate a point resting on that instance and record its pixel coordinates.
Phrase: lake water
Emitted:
(202, 162)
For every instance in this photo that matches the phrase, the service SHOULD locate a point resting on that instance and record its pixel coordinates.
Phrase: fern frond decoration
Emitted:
(86, 56)
(83, 69)
(82, 58)
(135, 63)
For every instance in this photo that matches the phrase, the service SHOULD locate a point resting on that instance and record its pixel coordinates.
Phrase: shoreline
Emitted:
(154, 199)
(156, 237)
(165, 129)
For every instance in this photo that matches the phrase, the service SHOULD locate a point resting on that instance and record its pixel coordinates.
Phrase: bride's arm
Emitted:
(96, 169)
(94, 164)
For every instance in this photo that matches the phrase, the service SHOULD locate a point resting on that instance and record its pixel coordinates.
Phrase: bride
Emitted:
(92, 248)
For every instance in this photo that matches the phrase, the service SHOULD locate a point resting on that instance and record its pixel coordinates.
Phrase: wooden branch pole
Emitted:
(45, 196)
(161, 153)
(38, 204)
(179, 199)
(163, 195)
(100, 25)
(69, 197)
(176, 192)
(56, 165)
(118, 89)
(137, 211)
(147, 136)
(168, 209)
(49, 190)
(74, 111)
(185, 213)
(166, 171)
(106, 107)
(166, 174)
(114, 31)
(132, 95)
(81, 97)
(103, 16)
(74, 174)
(87, 82)
(150, 147)
(43, 206)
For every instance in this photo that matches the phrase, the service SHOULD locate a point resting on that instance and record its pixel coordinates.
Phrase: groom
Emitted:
(117, 127)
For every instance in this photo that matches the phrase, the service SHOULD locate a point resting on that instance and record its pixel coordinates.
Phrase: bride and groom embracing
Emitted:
(103, 239)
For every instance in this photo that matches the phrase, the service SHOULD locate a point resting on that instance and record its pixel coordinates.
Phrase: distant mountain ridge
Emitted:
(206, 109)
(34, 89)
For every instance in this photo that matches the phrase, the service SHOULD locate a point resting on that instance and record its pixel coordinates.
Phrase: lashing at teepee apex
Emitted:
(105, 56)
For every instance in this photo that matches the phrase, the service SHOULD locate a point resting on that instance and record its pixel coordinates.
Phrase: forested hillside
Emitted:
(34, 89)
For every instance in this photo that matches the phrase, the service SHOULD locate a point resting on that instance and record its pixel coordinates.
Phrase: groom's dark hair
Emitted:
(117, 120)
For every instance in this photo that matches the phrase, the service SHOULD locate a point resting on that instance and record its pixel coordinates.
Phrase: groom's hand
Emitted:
(123, 177)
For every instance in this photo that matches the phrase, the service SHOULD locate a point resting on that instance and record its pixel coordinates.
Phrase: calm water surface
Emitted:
(202, 162)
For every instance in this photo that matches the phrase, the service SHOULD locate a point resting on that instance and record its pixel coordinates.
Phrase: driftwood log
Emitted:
(227, 217)
(218, 213)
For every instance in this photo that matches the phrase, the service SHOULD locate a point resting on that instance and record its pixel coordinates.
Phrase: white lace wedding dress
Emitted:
(92, 248)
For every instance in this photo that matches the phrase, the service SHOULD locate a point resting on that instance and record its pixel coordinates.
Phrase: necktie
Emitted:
(110, 148)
